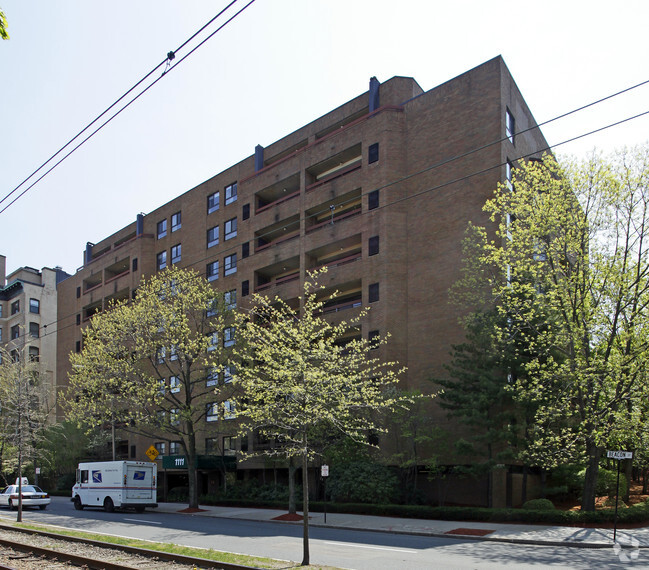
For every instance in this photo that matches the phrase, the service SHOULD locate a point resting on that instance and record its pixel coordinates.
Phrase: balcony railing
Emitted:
(277, 202)
(278, 281)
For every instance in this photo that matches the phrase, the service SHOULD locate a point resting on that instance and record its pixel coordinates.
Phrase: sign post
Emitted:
(324, 472)
(619, 455)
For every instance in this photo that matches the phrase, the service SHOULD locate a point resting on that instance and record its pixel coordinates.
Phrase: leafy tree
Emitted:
(300, 383)
(567, 270)
(23, 410)
(157, 366)
(3, 26)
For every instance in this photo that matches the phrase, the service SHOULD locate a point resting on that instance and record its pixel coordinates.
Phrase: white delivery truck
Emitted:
(115, 485)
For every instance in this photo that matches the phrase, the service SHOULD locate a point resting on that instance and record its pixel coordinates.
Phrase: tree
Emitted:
(23, 411)
(3, 26)
(568, 271)
(158, 366)
(303, 380)
(476, 394)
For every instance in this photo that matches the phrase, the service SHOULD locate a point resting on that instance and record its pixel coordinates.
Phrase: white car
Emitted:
(33, 496)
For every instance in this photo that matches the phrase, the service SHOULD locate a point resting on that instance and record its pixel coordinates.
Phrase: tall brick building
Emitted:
(380, 190)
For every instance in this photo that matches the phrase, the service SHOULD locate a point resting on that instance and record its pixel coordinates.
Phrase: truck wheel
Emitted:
(77, 504)
(139, 509)
(42, 507)
(109, 506)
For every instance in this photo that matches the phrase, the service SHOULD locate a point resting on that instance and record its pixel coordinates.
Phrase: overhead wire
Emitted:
(168, 59)
(233, 249)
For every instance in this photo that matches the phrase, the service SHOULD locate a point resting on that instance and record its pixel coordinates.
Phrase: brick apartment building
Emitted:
(28, 318)
(380, 190)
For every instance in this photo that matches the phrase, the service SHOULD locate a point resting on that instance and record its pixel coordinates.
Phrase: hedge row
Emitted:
(635, 514)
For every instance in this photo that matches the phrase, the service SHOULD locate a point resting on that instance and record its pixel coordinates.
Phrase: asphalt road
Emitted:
(359, 550)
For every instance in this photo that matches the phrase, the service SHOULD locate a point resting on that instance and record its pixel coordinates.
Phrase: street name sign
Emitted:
(619, 454)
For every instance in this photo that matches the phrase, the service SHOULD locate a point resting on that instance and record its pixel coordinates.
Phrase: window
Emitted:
(245, 212)
(508, 175)
(135, 264)
(15, 307)
(373, 292)
(174, 384)
(230, 264)
(174, 448)
(212, 377)
(245, 288)
(161, 260)
(231, 193)
(161, 353)
(373, 153)
(373, 338)
(213, 202)
(373, 245)
(212, 412)
(0, 310)
(0, 340)
(214, 341)
(230, 299)
(78, 292)
(212, 271)
(173, 353)
(229, 444)
(34, 330)
(245, 250)
(162, 386)
(174, 417)
(373, 200)
(176, 222)
(162, 228)
(510, 126)
(230, 229)
(78, 319)
(176, 253)
(211, 445)
(15, 332)
(228, 371)
(228, 410)
(213, 236)
(228, 336)
(77, 346)
(34, 306)
(160, 447)
(34, 354)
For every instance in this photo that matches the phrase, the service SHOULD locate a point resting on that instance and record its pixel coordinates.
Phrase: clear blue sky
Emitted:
(279, 65)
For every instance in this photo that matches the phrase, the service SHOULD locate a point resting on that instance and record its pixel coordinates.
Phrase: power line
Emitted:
(170, 56)
(233, 249)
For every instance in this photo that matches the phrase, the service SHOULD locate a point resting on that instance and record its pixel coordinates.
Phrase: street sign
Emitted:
(152, 453)
(619, 454)
(324, 471)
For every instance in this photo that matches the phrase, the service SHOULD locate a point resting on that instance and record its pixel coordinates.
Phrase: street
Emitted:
(359, 550)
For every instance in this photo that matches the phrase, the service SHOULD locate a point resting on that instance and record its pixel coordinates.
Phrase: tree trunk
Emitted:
(628, 473)
(192, 471)
(305, 507)
(292, 508)
(590, 481)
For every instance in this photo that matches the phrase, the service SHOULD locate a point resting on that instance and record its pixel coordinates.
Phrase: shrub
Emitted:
(362, 482)
(539, 505)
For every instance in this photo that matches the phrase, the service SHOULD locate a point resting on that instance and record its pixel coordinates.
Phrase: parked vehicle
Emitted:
(32, 496)
(115, 485)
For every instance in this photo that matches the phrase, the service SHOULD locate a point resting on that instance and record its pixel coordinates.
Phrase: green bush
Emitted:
(362, 482)
(539, 505)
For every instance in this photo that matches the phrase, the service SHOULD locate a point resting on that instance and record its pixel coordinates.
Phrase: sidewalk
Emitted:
(515, 533)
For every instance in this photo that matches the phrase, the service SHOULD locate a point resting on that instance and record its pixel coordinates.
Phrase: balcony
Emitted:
(277, 274)
(337, 166)
(278, 233)
(92, 282)
(277, 193)
(329, 213)
(117, 270)
(348, 296)
(337, 254)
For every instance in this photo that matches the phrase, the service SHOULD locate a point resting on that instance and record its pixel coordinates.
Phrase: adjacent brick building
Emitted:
(380, 190)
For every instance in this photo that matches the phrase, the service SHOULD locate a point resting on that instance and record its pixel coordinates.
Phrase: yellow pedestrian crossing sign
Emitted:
(152, 453)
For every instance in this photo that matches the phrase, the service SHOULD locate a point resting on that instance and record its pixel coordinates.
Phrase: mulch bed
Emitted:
(188, 510)
(469, 531)
(289, 517)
